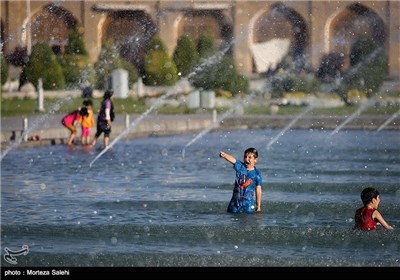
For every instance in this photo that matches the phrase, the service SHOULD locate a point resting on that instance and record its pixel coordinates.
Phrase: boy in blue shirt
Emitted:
(246, 196)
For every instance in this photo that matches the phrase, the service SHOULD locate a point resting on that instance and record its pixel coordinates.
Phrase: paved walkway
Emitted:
(50, 131)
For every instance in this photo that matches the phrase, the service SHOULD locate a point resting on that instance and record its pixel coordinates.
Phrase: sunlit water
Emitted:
(143, 204)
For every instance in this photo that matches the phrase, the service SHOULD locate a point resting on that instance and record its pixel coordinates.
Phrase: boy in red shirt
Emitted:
(368, 217)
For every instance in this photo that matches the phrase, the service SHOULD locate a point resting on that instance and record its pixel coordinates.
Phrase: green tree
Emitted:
(4, 69)
(76, 61)
(185, 55)
(206, 45)
(44, 65)
(133, 74)
(76, 44)
(217, 70)
(108, 61)
(220, 73)
(159, 67)
(368, 68)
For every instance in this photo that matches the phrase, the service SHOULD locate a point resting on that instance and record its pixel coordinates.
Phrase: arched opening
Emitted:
(351, 24)
(52, 24)
(213, 22)
(131, 32)
(279, 32)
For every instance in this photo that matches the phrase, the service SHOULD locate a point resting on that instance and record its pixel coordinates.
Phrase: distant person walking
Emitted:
(105, 118)
(87, 122)
(368, 216)
(71, 120)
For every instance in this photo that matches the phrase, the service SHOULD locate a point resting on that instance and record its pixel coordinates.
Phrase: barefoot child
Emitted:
(87, 122)
(71, 120)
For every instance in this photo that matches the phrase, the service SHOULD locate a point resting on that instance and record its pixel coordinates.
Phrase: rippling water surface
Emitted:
(143, 204)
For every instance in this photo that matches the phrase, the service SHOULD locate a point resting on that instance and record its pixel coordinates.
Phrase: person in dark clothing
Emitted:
(104, 118)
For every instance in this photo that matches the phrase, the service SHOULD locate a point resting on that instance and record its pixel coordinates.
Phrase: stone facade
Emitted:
(311, 28)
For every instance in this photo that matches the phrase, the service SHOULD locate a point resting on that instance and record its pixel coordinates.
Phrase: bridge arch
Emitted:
(276, 32)
(349, 24)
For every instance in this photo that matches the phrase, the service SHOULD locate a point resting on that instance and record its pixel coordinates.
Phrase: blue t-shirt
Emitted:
(244, 192)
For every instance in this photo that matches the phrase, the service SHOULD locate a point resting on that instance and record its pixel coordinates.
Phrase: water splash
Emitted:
(137, 120)
(210, 127)
(39, 122)
(388, 121)
(289, 125)
(183, 81)
(352, 116)
(354, 69)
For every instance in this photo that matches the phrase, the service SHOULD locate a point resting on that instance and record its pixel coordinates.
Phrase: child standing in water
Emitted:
(71, 120)
(87, 122)
(368, 217)
(105, 118)
(246, 196)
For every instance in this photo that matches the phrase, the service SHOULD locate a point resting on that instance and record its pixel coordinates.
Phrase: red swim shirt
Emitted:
(363, 218)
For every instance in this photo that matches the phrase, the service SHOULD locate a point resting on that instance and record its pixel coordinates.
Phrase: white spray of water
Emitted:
(352, 116)
(392, 117)
(39, 122)
(210, 127)
(335, 86)
(209, 61)
(289, 125)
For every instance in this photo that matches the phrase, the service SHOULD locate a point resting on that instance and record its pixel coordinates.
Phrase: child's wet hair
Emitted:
(251, 150)
(84, 112)
(368, 194)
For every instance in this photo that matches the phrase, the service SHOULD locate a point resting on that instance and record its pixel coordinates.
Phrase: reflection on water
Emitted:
(142, 204)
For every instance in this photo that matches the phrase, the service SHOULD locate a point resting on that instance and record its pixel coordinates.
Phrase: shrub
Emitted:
(220, 73)
(217, 70)
(76, 62)
(76, 44)
(185, 55)
(369, 67)
(44, 64)
(108, 61)
(159, 67)
(133, 73)
(75, 69)
(290, 82)
(206, 45)
(4, 69)
(330, 68)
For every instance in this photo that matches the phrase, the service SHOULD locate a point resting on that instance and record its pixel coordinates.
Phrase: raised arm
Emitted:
(228, 157)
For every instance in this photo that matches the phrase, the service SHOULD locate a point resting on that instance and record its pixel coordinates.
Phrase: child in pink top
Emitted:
(71, 120)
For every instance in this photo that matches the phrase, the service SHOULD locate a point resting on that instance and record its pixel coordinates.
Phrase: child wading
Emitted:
(87, 122)
(246, 196)
(71, 120)
(105, 118)
(368, 216)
